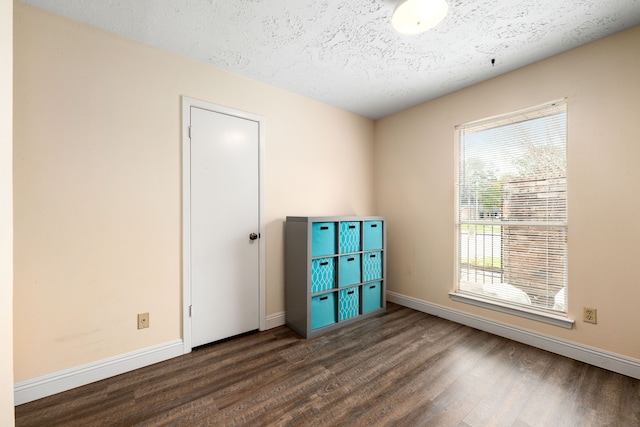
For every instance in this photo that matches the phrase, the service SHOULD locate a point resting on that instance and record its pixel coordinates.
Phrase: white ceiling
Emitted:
(345, 52)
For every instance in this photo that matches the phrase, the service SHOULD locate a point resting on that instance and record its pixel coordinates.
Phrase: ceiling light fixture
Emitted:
(417, 16)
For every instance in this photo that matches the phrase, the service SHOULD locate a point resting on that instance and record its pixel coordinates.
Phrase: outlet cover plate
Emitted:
(143, 320)
(590, 315)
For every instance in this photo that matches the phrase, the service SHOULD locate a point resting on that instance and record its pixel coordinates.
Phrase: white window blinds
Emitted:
(512, 208)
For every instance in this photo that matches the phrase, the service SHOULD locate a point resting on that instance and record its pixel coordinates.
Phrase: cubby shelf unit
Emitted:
(335, 271)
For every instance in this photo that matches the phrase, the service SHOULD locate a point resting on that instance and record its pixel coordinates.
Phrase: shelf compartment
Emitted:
(350, 236)
(373, 235)
(323, 237)
(323, 274)
(372, 266)
(323, 310)
(349, 302)
(350, 270)
(371, 296)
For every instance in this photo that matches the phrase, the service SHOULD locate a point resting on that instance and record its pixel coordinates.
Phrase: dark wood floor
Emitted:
(403, 368)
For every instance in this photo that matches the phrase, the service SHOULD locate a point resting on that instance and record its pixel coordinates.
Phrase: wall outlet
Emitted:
(590, 315)
(143, 320)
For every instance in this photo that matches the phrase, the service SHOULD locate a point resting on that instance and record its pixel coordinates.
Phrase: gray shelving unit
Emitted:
(335, 271)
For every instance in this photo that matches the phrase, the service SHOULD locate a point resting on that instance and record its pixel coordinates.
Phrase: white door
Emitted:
(224, 226)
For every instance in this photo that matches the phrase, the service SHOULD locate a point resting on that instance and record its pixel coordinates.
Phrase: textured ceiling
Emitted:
(346, 53)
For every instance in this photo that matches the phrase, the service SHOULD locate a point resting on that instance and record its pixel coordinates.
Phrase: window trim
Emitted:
(540, 316)
(457, 295)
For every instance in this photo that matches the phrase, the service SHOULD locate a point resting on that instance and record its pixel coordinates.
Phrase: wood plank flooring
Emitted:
(402, 368)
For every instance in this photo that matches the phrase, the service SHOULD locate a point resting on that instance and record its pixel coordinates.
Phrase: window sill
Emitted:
(549, 318)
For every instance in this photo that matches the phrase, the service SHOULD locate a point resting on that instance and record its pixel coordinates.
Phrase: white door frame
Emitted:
(187, 103)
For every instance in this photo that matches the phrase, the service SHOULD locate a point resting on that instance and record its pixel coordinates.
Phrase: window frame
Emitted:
(553, 317)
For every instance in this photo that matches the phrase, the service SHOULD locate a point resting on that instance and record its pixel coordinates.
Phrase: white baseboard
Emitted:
(275, 320)
(47, 385)
(593, 356)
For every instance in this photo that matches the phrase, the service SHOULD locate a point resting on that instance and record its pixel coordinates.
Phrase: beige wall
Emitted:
(414, 158)
(6, 213)
(98, 185)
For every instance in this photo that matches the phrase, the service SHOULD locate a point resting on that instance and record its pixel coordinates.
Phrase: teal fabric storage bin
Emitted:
(323, 310)
(323, 239)
(349, 237)
(323, 274)
(350, 270)
(372, 235)
(349, 302)
(371, 297)
(372, 266)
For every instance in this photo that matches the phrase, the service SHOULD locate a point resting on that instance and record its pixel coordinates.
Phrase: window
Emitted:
(512, 210)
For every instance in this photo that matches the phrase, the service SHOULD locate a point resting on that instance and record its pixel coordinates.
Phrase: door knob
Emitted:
(253, 236)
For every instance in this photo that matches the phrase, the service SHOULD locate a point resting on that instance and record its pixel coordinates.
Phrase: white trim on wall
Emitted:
(47, 385)
(57, 382)
(536, 315)
(593, 356)
(275, 320)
